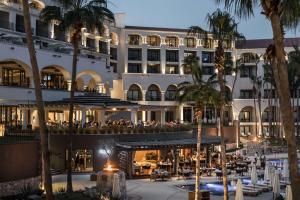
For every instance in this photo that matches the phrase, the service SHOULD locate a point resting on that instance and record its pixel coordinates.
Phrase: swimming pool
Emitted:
(216, 188)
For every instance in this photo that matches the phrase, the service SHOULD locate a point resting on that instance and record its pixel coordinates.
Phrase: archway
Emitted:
(134, 93)
(54, 77)
(153, 93)
(15, 73)
(170, 94)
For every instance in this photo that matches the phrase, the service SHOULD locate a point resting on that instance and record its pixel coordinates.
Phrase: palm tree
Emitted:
(282, 15)
(40, 104)
(223, 28)
(73, 16)
(201, 93)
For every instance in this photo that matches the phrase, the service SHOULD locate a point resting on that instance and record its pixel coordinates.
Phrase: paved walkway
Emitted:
(143, 189)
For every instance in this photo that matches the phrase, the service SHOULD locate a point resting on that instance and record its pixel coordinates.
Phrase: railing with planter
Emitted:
(120, 130)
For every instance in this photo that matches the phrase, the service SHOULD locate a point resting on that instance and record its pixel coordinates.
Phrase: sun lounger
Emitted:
(251, 188)
(251, 193)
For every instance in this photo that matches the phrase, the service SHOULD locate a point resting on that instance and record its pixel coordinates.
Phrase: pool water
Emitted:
(216, 188)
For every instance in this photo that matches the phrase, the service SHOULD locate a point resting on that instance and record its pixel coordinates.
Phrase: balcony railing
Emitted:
(122, 130)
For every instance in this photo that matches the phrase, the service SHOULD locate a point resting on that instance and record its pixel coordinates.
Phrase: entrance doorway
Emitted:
(82, 160)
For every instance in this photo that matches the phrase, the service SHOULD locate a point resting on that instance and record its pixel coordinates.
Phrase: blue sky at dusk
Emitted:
(184, 13)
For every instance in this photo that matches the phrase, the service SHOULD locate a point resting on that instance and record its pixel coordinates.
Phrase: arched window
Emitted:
(246, 114)
(172, 41)
(13, 74)
(53, 78)
(114, 38)
(170, 94)
(153, 93)
(190, 42)
(153, 40)
(134, 93)
(134, 39)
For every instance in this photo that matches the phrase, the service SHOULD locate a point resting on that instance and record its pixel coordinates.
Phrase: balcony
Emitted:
(117, 130)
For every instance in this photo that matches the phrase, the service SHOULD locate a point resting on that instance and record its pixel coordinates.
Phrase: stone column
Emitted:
(148, 115)
(97, 44)
(143, 115)
(125, 94)
(144, 55)
(51, 29)
(162, 93)
(133, 116)
(83, 116)
(101, 117)
(144, 95)
(162, 116)
(12, 20)
(163, 56)
(25, 118)
(69, 83)
(236, 125)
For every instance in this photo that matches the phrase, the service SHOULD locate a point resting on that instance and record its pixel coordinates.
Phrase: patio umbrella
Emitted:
(288, 193)
(116, 193)
(253, 175)
(285, 171)
(267, 172)
(258, 164)
(239, 191)
(271, 177)
(276, 186)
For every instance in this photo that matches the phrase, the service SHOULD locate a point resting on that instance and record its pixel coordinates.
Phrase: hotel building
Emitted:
(133, 70)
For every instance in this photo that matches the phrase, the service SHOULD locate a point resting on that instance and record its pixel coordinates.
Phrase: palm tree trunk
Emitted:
(199, 135)
(279, 66)
(39, 103)
(223, 149)
(71, 111)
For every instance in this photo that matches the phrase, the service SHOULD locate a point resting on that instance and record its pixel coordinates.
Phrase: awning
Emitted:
(180, 143)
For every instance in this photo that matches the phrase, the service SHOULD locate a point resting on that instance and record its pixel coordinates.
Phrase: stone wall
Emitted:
(15, 187)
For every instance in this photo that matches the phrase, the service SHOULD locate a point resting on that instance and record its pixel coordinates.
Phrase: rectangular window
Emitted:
(134, 68)
(169, 116)
(245, 116)
(190, 53)
(134, 39)
(172, 69)
(115, 67)
(90, 43)
(4, 20)
(103, 47)
(58, 33)
(246, 94)
(41, 29)
(154, 69)
(245, 130)
(207, 57)
(172, 55)
(153, 54)
(20, 23)
(134, 54)
(187, 114)
(114, 53)
(172, 41)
